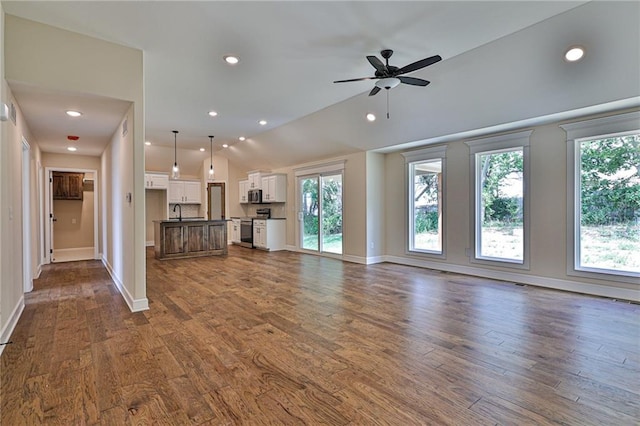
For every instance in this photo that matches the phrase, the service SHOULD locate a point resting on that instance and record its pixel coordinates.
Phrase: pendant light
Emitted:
(175, 171)
(211, 151)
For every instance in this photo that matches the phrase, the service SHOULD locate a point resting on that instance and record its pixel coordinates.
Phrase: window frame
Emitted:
(411, 158)
(490, 145)
(578, 132)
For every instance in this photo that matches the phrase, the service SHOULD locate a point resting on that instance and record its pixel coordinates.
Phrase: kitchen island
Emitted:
(174, 238)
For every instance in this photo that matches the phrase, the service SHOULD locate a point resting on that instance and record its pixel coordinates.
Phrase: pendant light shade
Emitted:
(175, 171)
(211, 153)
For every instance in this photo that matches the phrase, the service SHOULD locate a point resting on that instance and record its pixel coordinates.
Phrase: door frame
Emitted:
(300, 228)
(222, 186)
(48, 241)
(27, 271)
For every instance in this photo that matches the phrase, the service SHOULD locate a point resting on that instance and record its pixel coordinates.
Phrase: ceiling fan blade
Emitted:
(354, 79)
(413, 81)
(419, 64)
(377, 63)
(373, 91)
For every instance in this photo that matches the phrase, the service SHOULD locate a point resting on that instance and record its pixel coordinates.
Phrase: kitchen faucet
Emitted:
(174, 210)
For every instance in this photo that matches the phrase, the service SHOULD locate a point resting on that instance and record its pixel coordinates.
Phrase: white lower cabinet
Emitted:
(269, 234)
(235, 231)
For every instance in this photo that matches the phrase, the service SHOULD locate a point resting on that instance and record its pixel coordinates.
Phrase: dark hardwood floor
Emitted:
(286, 338)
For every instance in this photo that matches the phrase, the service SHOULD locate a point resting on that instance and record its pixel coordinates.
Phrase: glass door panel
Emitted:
(310, 212)
(331, 214)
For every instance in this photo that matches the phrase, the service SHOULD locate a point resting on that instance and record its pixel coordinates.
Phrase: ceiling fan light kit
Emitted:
(387, 83)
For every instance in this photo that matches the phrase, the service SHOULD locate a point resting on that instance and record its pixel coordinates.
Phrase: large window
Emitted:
(604, 180)
(425, 193)
(500, 170)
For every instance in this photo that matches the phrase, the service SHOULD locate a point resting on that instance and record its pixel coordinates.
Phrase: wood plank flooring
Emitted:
(287, 338)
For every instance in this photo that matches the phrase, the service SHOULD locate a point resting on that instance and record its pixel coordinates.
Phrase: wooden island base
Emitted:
(189, 238)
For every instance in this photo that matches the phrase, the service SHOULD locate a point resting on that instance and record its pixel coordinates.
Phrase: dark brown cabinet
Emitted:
(190, 238)
(67, 185)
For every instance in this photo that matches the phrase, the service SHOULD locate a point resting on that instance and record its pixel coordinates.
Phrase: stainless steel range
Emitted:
(246, 226)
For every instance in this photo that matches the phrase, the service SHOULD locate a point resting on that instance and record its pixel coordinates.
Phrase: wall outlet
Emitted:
(467, 252)
(73, 221)
(372, 245)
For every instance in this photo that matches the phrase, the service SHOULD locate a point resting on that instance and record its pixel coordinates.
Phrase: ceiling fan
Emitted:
(389, 76)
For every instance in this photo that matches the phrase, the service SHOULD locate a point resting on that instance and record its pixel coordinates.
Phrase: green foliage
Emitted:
(331, 206)
(496, 171)
(610, 180)
(425, 221)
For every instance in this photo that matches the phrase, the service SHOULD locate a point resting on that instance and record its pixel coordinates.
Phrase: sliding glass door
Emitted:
(321, 213)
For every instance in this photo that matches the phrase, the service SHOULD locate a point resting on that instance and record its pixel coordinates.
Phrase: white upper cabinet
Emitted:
(274, 188)
(156, 181)
(243, 191)
(255, 180)
(185, 191)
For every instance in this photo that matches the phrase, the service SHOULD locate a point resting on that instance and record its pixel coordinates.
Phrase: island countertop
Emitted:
(189, 237)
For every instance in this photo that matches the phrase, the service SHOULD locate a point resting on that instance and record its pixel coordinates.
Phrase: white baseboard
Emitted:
(534, 280)
(38, 272)
(7, 330)
(135, 305)
(73, 254)
(150, 243)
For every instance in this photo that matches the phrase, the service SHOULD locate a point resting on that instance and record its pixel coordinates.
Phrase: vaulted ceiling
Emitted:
(502, 63)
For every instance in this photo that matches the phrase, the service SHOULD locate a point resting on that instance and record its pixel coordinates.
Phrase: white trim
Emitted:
(602, 126)
(500, 142)
(49, 205)
(333, 166)
(411, 159)
(576, 132)
(493, 145)
(430, 153)
(6, 332)
(535, 280)
(38, 272)
(27, 279)
(135, 305)
(73, 254)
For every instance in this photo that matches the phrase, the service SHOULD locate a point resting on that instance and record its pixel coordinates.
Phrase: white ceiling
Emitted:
(291, 52)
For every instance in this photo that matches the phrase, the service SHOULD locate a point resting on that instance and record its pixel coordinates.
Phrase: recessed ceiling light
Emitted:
(262, 122)
(72, 113)
(213, 113)
(225, 145)
(201, 149)
(574, 53)
(72, 148)
(231, 60)
(242, 138)
(371, 116)
(147, 143)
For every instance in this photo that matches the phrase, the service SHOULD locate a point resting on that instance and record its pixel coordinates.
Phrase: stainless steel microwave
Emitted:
(255, 196)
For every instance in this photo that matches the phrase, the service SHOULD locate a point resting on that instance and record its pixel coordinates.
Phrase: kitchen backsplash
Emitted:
(188, 210)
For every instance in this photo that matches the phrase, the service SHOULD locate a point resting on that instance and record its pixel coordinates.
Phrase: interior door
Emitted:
(216, 206)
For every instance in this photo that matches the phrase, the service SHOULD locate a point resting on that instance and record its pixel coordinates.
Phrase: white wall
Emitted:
(11, 215)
